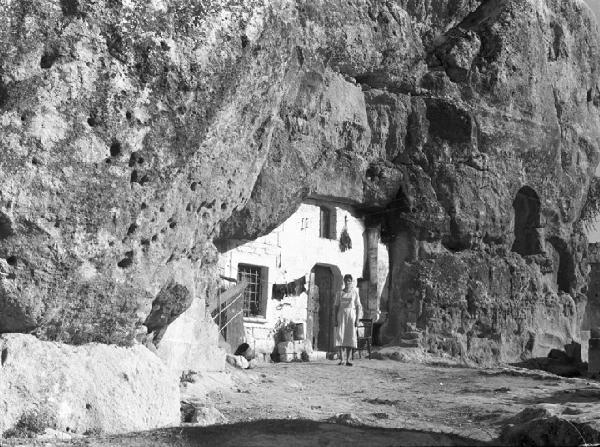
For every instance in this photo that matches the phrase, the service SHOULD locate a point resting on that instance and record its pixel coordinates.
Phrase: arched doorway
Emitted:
(527, 222)
(328, 279)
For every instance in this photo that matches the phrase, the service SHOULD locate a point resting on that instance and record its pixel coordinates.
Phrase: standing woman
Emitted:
(348, 311)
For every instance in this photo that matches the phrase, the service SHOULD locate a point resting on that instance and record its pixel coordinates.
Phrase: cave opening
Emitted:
(565, 274)
(527, 222)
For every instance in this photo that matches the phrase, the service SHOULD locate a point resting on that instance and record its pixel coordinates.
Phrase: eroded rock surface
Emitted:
(87, 389)
(132, 131)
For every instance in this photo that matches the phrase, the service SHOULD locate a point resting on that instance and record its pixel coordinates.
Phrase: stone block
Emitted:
(288, 357)
(87, 388)
(317, 355)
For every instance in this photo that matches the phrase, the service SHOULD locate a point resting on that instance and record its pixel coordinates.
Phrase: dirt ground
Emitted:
(373, 402)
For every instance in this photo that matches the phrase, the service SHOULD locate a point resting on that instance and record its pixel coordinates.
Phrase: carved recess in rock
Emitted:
(455, 103)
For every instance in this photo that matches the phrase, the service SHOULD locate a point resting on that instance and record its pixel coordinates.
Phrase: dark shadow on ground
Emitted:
(293, 433)
(584, 395)
(560, 367)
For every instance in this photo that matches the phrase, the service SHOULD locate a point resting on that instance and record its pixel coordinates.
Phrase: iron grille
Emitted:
(253, 291)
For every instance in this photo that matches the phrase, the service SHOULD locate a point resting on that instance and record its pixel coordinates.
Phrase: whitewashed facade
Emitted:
(290, 252)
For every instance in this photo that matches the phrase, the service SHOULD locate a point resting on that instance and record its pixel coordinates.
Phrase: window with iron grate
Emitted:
(254, 293)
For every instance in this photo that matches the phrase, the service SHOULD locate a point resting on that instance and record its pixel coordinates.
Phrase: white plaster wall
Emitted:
(289, 252)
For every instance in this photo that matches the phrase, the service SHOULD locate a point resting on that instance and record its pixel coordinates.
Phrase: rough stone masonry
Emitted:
(134, 133)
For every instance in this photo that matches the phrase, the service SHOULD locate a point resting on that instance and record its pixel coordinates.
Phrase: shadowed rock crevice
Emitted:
(171, 301)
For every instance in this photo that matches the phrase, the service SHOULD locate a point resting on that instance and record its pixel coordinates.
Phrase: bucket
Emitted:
(299, 331)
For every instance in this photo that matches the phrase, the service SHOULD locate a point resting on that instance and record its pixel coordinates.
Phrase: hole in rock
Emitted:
(48, 59)
(188, 207)
(115, 149)
(155, 238)
(128, 115)
(143, 205)
(108, 161)
(70, 7)
(172, 224)
(132, 159)
(4, 356)
(6, 227)
(193, 186)
(127, 260)
(589, 96)
(527, 222)
(3, 94)
(223, 206)
(162, 209)
(134, 177)
(92, 120)
(88, 406)
(132, 229)
(245, 41)
(164, 46)
(144, 179)
(12, 260)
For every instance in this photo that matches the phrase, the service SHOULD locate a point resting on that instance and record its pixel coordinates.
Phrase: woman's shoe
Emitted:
(341, 363)
(348, 364)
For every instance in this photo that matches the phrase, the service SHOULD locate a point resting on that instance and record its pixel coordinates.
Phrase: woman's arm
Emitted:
(336, 307)
(358, 305)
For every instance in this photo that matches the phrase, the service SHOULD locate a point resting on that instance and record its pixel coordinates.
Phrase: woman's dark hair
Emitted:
(347, 276)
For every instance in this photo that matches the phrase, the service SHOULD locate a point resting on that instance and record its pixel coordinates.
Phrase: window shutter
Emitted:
(332, 223)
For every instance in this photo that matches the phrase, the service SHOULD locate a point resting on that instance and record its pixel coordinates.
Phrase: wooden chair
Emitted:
(364, 336)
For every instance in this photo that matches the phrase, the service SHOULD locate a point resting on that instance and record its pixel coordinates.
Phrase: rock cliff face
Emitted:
(133, 133)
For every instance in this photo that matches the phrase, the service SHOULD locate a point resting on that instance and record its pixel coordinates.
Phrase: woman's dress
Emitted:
(349, 309)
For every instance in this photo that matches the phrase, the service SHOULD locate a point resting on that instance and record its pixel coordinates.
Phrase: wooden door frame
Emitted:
(337, 282)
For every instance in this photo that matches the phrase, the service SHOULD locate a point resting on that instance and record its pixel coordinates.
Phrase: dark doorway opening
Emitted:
(328, 279)
(527, 222)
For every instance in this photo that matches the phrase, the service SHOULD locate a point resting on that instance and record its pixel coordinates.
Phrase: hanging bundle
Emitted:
(345, 241)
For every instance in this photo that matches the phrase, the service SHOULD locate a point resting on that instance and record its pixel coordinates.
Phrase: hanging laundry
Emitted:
(299, 285)
(293, 288)
(279, 291)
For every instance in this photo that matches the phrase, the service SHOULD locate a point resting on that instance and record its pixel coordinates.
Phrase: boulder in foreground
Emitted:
(92, 388)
